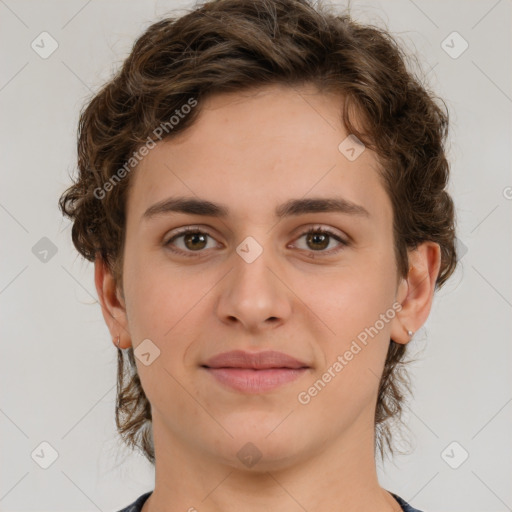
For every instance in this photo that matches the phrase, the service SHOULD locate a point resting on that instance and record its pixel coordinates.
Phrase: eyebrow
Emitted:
(293, 207)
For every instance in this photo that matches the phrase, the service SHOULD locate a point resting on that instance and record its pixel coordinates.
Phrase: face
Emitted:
(252, 275)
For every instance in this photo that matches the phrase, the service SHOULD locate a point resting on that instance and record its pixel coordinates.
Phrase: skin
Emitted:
(253, 151)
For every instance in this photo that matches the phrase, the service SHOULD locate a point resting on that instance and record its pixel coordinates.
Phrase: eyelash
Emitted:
(313, 230)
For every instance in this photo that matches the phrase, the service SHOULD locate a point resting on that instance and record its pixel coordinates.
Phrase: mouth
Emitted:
(256, 372)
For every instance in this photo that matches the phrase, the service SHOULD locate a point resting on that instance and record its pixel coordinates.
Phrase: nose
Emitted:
(254, 295)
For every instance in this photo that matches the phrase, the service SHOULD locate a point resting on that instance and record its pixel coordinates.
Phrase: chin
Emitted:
(257, 448)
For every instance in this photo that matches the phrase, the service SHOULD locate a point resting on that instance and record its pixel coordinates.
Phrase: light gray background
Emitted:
(58, 364)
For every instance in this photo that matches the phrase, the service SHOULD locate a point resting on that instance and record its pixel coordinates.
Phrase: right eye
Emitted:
(192, 240)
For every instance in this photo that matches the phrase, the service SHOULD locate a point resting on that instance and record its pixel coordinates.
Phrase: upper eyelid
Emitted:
(189, 229)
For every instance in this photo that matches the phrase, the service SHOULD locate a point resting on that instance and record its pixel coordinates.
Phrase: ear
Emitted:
(112, 304)
(416, 293)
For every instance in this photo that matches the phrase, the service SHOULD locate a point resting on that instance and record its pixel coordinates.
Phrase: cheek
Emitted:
(165, 306)
(353, 298)
(351, 306)
(354, 356)
(160, 308)
(157, 297)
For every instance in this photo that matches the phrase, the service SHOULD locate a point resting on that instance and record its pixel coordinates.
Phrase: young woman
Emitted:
(262, 189)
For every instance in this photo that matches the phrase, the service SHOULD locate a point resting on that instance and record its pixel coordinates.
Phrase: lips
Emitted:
(254, 360)
(254, 372)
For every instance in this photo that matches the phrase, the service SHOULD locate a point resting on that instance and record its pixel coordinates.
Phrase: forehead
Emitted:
(257, 149)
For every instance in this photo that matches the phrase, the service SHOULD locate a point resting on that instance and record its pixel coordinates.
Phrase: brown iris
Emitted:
(321, 238)
(195, 238)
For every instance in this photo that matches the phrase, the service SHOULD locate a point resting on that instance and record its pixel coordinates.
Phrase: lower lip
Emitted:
(255, 381)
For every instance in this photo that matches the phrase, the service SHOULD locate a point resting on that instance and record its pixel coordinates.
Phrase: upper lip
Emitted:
(255, 360)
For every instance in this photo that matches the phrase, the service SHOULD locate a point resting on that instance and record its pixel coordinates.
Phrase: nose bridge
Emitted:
(252, 266)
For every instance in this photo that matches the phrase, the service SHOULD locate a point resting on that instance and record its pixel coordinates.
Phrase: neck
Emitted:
(340, 477)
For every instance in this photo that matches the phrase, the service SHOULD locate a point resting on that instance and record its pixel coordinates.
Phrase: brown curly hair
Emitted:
(231, 45)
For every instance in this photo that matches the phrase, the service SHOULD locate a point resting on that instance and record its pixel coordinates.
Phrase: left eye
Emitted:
(195, 240)
(321, 238)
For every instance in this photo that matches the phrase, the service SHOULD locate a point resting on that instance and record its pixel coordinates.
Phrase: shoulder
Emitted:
(405, 506)
(136, 506)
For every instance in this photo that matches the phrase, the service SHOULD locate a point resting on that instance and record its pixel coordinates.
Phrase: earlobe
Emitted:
(112, 305)
(424, 265)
